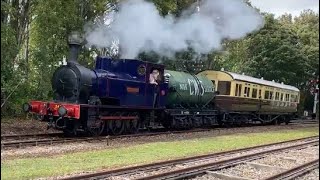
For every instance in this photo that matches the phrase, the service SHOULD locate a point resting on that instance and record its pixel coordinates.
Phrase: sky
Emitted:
(279, 7)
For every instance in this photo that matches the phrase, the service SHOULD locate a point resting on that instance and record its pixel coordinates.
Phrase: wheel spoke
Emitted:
(116, 127)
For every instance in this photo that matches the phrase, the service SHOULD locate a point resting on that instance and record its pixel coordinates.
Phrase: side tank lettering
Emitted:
(195, 89)
(184, 87)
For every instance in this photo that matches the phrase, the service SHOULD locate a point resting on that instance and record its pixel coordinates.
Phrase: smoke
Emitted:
(139, 27)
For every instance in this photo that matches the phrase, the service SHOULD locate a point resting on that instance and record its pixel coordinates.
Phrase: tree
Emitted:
(53, 23)
(236, 55)
(15, 20)
(306, 26)
(165, 7)
(35, 37)
(275, 54)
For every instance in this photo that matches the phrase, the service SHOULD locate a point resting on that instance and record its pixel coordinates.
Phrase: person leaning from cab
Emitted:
(154, 77)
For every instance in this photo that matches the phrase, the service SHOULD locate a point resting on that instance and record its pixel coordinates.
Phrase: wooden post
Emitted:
(315, 103)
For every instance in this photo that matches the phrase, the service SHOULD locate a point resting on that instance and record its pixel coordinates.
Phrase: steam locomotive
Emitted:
(124, 95)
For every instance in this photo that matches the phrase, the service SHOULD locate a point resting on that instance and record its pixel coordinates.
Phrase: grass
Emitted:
(28, 168)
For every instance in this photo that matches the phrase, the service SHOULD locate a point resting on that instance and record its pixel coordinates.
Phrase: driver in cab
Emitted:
(154, 77)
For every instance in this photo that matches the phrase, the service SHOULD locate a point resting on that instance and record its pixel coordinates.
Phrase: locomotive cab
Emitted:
(130, 82)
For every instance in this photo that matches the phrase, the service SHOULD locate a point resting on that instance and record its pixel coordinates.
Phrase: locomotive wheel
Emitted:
(166, 120)
(69, 131)
(131, 126)
(116, 127)
(166, 124)
(134, 124)
(97, 127)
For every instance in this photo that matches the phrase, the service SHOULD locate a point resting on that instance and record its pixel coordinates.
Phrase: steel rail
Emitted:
(20, 136)
(296, 171)
(23, 143)
(36, 142)
(155, 166)
(201, 169)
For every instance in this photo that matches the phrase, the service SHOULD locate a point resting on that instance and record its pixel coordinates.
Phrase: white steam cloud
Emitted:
(139, 27)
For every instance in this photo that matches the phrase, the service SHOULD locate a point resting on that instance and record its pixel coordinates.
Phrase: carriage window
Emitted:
(224, 87)
(213, 82)
(260, 93)
(277, 96)
(246, 92)
(238, 90)
(266, 95)
(254, 93)
(292, 98)
(281, 97)
(271, 95)
(287, 97)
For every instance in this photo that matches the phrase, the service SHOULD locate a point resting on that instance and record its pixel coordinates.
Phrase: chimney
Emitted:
(74, 41)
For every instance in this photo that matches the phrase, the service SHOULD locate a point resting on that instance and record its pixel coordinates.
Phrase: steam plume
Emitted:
(139, 27)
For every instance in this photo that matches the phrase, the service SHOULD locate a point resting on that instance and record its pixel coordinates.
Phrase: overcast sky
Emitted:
(279, 7)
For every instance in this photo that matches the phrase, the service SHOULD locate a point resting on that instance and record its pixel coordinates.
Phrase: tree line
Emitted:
(34, 40)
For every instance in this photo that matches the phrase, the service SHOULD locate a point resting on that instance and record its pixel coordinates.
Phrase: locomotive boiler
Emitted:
(73, 82)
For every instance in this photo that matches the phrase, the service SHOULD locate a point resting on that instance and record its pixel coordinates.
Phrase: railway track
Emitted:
(58, 138)
(305, 121)
(194, 167)
(26, 136)
(27, 140)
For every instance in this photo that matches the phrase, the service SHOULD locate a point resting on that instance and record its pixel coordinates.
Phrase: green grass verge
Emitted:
(139, 154)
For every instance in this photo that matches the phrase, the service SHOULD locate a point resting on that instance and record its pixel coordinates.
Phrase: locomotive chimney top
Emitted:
(75, 40)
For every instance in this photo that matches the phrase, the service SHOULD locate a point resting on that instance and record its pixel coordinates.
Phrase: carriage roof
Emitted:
(261, 81)
(242, 77)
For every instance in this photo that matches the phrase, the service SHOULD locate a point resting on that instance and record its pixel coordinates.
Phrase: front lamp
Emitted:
(62, 111)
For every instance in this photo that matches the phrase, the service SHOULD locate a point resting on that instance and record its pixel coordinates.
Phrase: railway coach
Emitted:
(244, 99)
